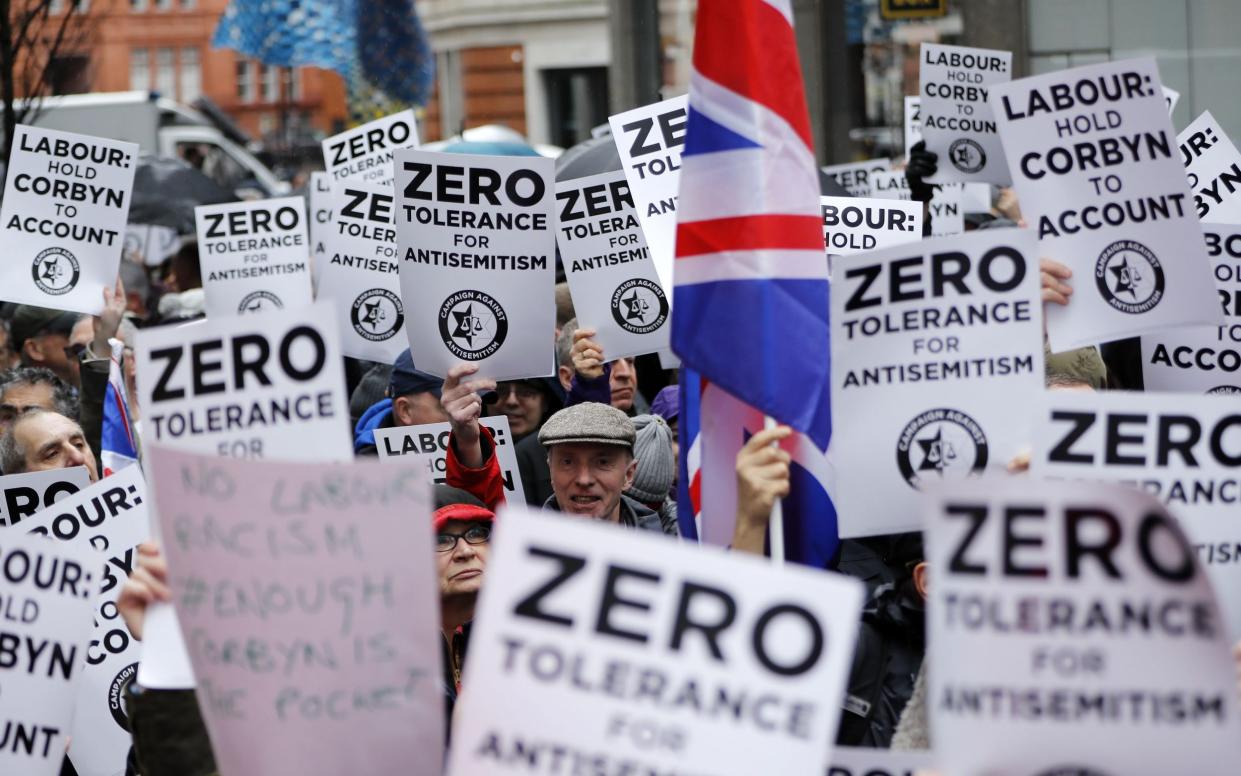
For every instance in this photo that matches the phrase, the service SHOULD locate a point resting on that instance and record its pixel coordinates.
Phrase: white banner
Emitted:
(957, 123)
(427, 445)
(614, 284)
(1072, 632)
(255, 256)
(360, 272)
(23, 495)
(66, 201)
(319, 203)
(1213, 169)
(853, 224)
(478, 261)
(644, 655)
(933, 346)
(1094, 162)
(367, 153)
(855, 176)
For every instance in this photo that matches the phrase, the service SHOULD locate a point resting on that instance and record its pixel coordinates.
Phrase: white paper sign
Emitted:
(1213, 168)
(110, 516)
(255, 256)
(933, 345)
(49, 625)
(1172, 97)
(366, 153)
(865, 761)
(614, 284)
(66, 200)
(149, 245)
(631, 647)
(360, 272)
(1093, 158)
(1072, 632)
(913, 122)
(427, 445)
(946, 211)
(855, 176)
(957, 123)
(478, 261)
(1186, 450)
(650, 140)
(1203, 359)
(853, 224)
(22, 495)
(319, 202)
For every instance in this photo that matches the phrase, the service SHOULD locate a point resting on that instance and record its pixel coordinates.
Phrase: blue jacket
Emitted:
(378, 415)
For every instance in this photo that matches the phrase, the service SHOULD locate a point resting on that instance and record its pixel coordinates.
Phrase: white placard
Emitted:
(933, 345)
(319, 203)
(66, 201)
(1213, 168)
(957, 123)
(478, 261)
(976, 198)
(1094, 161)
(49, 627)
(1185, 450)
(1172, 97)
(650, 140)
(946, 211)
(428, 446)
(148, 245)
(866, 761)
(1203, 359)
(110, 516)
(255, 256)
(361, 274)
(1072, 632)
(855, 176)
(913, 122)
(624, 641)
(23, 495)
(853, 224)
(367, 153)
(613, 282)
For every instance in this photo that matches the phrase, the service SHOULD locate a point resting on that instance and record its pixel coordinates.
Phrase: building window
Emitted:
(577, 100)
(245, 81)
(295, 84)
(137, 5)
(139, 70)
(269, 83)
(163, 5)
(165, 72)
(69, 74)
(188, 5)
(190, 76)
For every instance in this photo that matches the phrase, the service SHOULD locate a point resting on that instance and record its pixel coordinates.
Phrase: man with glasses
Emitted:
(42, 338)
(29, 388)
(526, 404)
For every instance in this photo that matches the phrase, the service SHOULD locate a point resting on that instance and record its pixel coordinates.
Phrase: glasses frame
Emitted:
(456, 537)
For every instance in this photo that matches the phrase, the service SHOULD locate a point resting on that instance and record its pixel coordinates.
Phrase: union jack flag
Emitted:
(117, 448)
(750, 277)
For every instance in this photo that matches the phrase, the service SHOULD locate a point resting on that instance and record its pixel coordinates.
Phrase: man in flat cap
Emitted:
(590, 454)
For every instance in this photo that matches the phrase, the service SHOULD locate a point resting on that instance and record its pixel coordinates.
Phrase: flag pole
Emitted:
(775, 528)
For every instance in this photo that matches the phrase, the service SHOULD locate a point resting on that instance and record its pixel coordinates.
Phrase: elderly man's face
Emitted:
(51, 441)
(20, 398)
(588, 478)
(624, 383)
(415, 409)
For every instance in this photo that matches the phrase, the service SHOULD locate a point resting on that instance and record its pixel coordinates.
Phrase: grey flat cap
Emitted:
(589, 422)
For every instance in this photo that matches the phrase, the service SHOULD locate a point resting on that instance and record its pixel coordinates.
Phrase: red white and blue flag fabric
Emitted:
(750, 310)
(117, 449)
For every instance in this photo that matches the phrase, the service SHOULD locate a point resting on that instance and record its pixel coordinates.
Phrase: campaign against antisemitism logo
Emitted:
(116, 695)
(967, 155)
(639, 306)
(941, 444)
(55, 271)
(377, 314)
(1129, 277)
(472, 324)
(258, 302)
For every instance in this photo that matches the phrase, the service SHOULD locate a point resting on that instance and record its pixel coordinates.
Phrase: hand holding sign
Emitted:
(1053, 274)
(762, 477)
(587, 355)
(147, 584)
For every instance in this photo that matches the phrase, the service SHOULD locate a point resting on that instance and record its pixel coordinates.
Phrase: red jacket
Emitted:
(486, 482)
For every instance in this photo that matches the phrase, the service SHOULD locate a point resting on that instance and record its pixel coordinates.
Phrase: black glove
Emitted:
(922, 165)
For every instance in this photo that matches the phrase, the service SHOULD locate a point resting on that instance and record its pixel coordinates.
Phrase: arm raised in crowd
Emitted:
(471, 463)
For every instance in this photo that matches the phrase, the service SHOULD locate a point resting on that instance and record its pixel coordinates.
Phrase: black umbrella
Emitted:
(166, 191)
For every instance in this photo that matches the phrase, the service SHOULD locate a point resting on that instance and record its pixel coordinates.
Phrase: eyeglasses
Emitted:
(524, 392)
(475, 534)
(74, 352)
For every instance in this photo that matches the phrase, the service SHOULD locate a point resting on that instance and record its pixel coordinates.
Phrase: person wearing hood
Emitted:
(413, 399)
(656, 470)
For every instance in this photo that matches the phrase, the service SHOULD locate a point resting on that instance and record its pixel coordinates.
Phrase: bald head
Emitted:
(40, 440)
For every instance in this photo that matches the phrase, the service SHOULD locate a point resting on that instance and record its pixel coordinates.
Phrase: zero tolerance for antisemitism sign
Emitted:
(612, 279)
(367, 153)
(66, 201)
(1203, 359)
(478, 260)
(1213, 168)
(956, 121)
(1094, 160)
(255, 255)
(644, 655)
(1073, 633)
(933, 345)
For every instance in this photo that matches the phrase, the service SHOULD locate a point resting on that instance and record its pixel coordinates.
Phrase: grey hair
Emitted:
(564, 343)
(64, 400)
(12, 456)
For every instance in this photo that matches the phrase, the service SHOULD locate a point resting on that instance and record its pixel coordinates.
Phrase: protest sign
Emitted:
(427, 445)
(615, 288)
(111, 517)
(1072, 632)
(1171, 97)
(1213, 168)
(913, 122)
(865, 761)
(855, 176)
(649, 656)
(66, 200)
(1093, 160)
(478, 261)
(933, 346)
(650, 140)
(268, 385)
(367, 153)
(48, 588)
(945, 209)
(22, 495)
(1203, 359)
(319, 201)
(360, 273)
(149, 245)
(1185, 450)
(255, 255)
(308, 602)
(853, 224)
(957, 123)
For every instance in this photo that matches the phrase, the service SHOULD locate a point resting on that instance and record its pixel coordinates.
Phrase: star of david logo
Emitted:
(466, 323)
(373, 315)
(50, 268)
(936, 453)
(1126, 278)
(637, 307)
